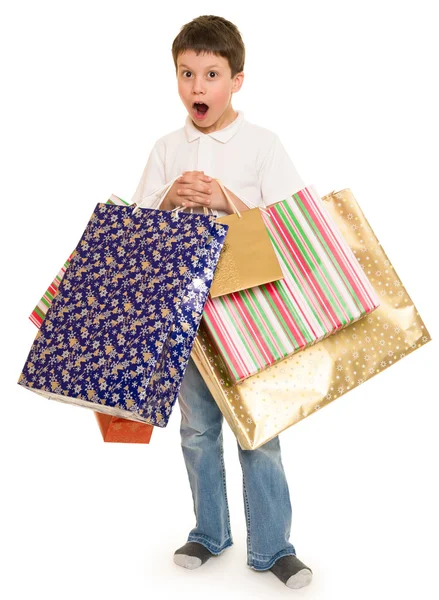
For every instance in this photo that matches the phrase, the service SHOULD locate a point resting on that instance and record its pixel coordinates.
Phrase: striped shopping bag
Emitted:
(324, 289)
(39, 312)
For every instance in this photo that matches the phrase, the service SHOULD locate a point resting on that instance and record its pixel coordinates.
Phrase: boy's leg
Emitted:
(202, 445)
(267, 505)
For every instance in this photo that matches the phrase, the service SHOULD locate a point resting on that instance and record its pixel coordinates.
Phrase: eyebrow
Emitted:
(209, 67)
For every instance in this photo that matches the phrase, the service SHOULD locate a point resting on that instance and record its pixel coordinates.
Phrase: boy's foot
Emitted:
(192, 555)
(291, 571)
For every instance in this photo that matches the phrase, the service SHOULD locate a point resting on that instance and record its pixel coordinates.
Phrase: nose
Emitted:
(198, 86)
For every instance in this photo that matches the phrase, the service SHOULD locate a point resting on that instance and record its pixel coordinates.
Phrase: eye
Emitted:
(210, 72)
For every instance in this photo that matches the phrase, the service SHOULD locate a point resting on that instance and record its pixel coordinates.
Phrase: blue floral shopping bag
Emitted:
(119, 332)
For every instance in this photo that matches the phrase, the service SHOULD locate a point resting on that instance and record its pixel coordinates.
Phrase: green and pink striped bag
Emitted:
(39, 312)
(324, 289)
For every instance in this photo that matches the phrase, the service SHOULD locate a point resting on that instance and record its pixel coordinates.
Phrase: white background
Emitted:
(87, 88)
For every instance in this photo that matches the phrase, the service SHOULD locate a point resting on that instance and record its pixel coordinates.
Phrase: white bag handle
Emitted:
(161, 193)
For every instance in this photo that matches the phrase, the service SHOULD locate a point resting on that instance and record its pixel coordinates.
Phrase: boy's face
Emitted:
(207, 78)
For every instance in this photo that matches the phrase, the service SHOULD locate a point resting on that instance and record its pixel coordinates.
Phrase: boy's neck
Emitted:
(228, 116)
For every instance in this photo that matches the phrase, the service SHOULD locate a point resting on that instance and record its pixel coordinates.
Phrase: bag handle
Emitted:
(177, 209)
(235, 210)
(228, 198)
(161, 191)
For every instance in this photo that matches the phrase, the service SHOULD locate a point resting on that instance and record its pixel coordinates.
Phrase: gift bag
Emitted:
(39, 312)
(116, 429)
(267, 403)
(113, 429)
(126, 307)
(323, 290)
(248, 257)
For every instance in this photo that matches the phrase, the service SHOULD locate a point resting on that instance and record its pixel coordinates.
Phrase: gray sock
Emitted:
(291, 571)
(192, 555)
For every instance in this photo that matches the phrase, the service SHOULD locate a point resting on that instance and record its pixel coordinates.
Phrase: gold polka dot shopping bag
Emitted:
(265, 404)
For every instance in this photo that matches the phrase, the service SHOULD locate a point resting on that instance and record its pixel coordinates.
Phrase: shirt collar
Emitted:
(222, 135)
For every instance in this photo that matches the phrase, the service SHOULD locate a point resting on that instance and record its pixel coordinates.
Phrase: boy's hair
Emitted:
(211, 34)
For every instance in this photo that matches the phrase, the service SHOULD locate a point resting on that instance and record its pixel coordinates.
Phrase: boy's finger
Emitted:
(204, 177)
(190, 191)
(190, 176)
(200, 200)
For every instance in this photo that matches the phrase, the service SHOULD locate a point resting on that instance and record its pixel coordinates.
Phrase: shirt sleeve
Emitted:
(153, 181)
(278, 176)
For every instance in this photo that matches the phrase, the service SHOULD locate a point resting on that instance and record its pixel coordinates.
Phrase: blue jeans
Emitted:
(266, 497)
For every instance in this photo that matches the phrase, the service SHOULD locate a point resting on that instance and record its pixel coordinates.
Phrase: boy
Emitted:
(217, 142)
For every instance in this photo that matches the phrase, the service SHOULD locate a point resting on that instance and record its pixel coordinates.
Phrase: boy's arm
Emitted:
(278, 176)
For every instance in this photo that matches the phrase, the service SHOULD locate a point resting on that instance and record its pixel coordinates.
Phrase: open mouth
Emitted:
(200, 109)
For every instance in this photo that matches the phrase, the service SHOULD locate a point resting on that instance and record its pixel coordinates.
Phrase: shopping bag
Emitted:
(248, 257)
(40, 310)
(126, 298)
(113, 429)
(323, 290)
(267, 403)
(116, 429)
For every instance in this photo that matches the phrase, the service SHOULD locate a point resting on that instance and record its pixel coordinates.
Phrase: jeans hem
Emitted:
(259, 565)
(209, 544)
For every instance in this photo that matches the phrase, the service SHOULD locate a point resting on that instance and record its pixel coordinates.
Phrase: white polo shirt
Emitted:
(249, 160)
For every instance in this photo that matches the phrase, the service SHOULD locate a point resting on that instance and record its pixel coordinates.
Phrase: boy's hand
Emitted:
(192, 186)
(197, 189)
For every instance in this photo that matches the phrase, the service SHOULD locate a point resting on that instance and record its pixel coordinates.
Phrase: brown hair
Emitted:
(210, 33)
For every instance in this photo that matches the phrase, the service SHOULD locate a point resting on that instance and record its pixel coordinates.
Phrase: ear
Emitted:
(237, 82)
